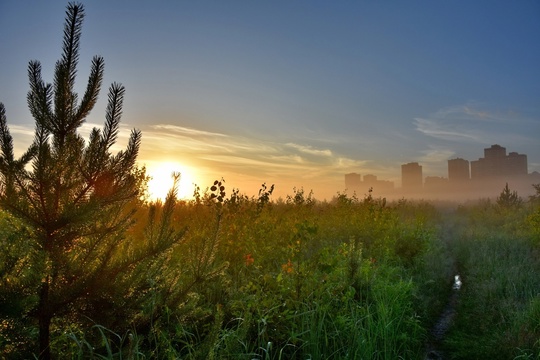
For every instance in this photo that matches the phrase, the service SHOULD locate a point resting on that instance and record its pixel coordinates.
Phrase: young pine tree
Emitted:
(508, 199)
(73, 196)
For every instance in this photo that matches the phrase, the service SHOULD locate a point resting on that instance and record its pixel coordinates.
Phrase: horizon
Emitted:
(295, 95)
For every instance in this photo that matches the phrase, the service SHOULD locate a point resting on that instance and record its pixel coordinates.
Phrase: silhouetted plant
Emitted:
(300, 198)
(508, 198)
(236, 199)
(264, 196)
(343, 200)
(218, 191)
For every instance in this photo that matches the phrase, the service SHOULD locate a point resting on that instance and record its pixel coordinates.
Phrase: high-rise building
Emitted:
(353, 181)
(371, 181)
(411, 176)
(495, 152)
(458, 170)
(496, 163)
(516, 164)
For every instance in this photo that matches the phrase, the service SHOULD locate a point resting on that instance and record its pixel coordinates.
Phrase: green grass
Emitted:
(498, 313)
(354, 279)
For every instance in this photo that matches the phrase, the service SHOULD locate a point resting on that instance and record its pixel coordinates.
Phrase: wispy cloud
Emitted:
(472, 122)
(474, 111)
(299, 162)
(310, 150)
(436, 154)
(21, 130)
(441, 130)
(464, 129)
(186, 131)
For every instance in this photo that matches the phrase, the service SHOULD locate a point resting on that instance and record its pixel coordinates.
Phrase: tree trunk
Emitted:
(44, 318)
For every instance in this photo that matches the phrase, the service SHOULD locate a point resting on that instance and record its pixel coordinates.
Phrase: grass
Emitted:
(353, 279)
(498, 313)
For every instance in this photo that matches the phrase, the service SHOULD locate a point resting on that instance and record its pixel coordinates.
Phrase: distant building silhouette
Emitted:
(458, 170)
(371, 181)
(517, 164)
(485, 177)
(411, 176)
(496, 163)
(353, 181)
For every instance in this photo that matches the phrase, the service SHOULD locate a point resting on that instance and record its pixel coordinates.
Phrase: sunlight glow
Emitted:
(161, 180)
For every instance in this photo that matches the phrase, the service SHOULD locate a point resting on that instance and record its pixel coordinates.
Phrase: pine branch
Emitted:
(28, 156)
(6, 158)
(6, 141)
(72, 36)
(41, 171)
(90, 165)
(43, 152)
(124, 161)
(65, 74)
(113, 115)
(63, 103)
(132, 150)
(39, 97)
(92, 90)
(11, 169)
(173, 192)
(91, 157)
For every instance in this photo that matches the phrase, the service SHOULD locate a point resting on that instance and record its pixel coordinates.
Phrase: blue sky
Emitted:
(296, 93)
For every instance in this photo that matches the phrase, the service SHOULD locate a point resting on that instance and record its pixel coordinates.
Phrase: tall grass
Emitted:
(499, 312)
(299, 279)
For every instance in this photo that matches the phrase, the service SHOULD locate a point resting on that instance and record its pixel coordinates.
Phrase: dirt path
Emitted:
(441, 327)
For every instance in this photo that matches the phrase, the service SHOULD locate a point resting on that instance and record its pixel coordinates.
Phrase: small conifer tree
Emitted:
(72, 195)
(508, 198)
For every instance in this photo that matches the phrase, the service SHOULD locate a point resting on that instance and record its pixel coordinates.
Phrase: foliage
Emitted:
(73, 201)
(498, 314)
(285, 280)
(508, 199)
(299, 281)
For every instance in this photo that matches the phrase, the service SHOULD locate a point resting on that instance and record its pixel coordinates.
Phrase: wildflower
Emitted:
(288, 267)
(249, 259)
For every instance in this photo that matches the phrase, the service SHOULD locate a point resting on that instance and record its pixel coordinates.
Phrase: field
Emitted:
(233, 277)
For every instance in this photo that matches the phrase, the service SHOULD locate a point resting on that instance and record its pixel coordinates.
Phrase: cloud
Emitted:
(444, 131)
(473, 122)
(473, 111)
(309, 150)
(171, 139)
(186, 131)
(21, 130)
(250, 158)
(309, 163)
(436, 155)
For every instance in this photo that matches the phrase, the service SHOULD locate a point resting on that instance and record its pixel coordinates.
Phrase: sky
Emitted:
(294, 93)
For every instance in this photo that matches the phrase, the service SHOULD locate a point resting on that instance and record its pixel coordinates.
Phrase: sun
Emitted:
(161, 180)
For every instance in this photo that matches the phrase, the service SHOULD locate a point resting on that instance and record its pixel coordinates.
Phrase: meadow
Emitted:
(294, 278)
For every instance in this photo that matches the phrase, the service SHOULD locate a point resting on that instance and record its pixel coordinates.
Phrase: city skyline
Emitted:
(294, 94)
(491, 171)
